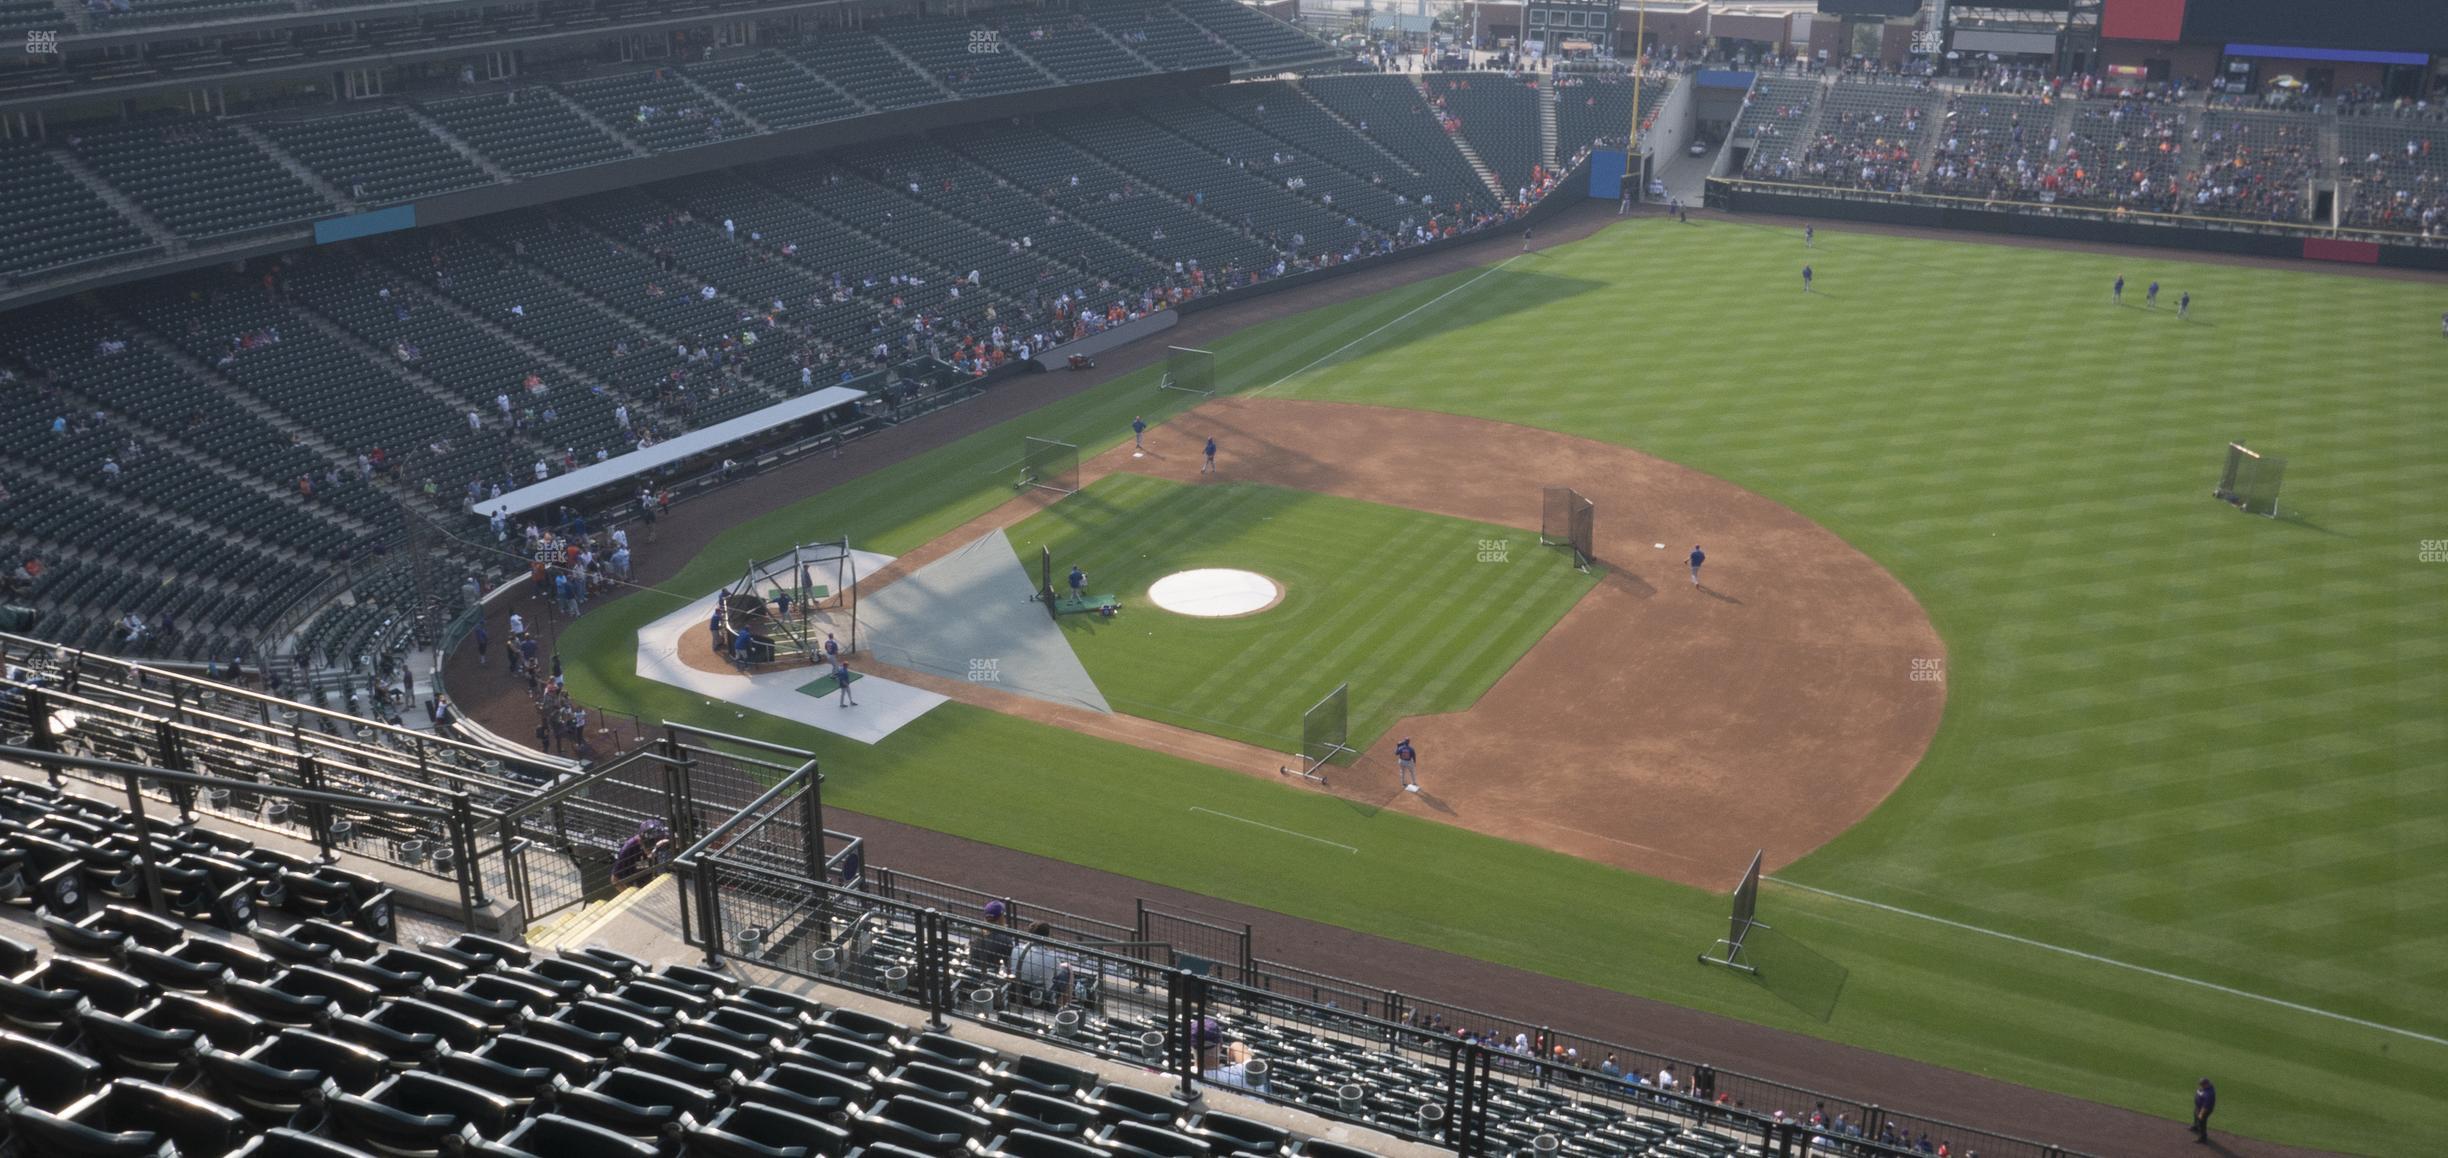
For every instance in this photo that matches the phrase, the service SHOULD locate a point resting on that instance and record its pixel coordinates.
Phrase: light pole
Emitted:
(1640, 44)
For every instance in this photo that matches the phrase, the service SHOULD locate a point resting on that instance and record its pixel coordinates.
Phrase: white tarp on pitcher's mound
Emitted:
(883, 707)
(970, 616)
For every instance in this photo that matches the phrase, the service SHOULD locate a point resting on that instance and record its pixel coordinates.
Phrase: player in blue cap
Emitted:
(1210, 467)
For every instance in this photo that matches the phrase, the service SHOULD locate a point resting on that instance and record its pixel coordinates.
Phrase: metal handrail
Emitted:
(754, 812)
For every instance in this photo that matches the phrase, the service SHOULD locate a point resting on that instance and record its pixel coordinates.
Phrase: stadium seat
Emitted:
(553, 1135)
(415, 1113)
(750, 1130)
(924, 1126)
(46, 1076)
(820, 1094)
(637, 1104)
(282, 1142)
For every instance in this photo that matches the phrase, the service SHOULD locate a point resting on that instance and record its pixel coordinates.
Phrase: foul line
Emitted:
(1272, 828)
(2111, 961)
(1390, 324)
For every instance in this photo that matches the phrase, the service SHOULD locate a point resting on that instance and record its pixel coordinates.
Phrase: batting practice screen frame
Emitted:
(1326, 728)
(1052, 465)
(1568, 519)
(1189, 370)
(2250, 480)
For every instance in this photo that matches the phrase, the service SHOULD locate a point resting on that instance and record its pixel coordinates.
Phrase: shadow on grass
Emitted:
(1500, 293)
(2293, 519)
(1797, 974)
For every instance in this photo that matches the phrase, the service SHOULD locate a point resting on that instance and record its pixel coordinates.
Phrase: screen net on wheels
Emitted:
(1188, 370)
(2250, 480)
(1566, 519)
(1325, 734)
(1050, 465)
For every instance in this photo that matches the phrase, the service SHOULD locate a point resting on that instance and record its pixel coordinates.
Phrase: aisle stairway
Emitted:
(1478, 165)
(1547, 120)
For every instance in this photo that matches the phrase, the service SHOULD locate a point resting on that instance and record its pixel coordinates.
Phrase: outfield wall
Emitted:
(2086, 225)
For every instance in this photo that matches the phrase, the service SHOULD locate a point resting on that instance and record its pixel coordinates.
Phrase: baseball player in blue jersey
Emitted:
(1697, 558)
(1138, 432)
(1806, 279)
(841, 679)
(1079, 583)
(2116, 293)
(2150, 297)
(1406, 761)
(1210, 467)
(2184, 304)
(1810, 237)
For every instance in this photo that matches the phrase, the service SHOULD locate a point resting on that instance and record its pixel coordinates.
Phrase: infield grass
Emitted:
(1400, 603)
(2177, 737)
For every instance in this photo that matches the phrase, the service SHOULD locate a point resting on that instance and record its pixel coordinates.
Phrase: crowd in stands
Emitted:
(2125, 154)
(2257, 167)
(1994, 147)
(2395, 176)
(2366, 101)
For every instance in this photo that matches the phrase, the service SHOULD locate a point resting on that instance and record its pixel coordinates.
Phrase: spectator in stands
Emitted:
(1047, 975)
(996, 943)
(649, 846)
(1220, 1062)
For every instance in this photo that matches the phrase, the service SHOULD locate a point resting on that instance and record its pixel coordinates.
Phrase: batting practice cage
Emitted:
(1049, 464)
(2250, 480)
(1568, 520)
(789, 603)
(1746, 912)
(1325, 732)
(1188, 370)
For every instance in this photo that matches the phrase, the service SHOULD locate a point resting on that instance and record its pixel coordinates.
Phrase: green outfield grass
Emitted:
(1459, 617)
(2178, 738)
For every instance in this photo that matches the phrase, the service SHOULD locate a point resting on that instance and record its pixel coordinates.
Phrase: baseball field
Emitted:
(2183, 812)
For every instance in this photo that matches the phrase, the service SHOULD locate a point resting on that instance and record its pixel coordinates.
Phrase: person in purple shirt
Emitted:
(1211, 449)
(1697, 558)
(2205, 1100)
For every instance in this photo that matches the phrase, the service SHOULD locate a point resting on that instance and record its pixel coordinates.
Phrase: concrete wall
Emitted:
(1772, 29)
(1674, 126)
